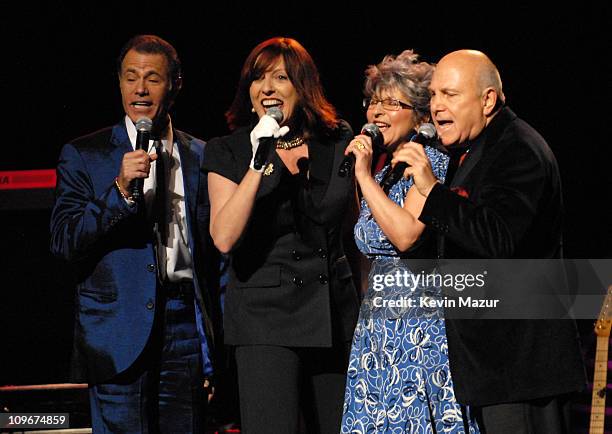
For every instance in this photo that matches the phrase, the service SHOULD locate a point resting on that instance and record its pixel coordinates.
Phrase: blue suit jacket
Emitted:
(110, 247)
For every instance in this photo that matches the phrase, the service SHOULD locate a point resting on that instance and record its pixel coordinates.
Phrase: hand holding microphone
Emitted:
(264, 135)
(425, 133)
(143, 132)
(135, 165)
(374, 133)
(410, 159)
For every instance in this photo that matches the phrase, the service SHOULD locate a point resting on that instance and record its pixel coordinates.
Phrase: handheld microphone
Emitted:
(143, 132)
(373, 132)
(266, 142)
(425, 133)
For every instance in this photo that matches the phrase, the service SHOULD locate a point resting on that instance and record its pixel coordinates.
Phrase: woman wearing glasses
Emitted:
(398, 377)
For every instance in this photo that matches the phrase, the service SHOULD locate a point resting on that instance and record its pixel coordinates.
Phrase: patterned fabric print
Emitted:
(369, 237)
(398, 377)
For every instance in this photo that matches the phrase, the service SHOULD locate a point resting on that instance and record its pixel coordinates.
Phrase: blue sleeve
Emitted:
(79, 220)
(439, 162)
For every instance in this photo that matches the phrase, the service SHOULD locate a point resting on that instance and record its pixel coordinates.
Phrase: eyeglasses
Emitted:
(390, 104)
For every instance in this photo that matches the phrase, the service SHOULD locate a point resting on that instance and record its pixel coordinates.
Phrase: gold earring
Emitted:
(252, 109)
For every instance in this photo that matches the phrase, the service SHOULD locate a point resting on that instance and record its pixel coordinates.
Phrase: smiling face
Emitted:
(144, 84)
(459, 105)
(396, 126)
(274, 89)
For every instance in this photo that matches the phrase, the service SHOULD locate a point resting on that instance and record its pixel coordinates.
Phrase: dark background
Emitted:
(59, 82)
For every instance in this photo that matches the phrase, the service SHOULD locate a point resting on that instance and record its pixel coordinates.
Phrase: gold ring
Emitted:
(360, 145)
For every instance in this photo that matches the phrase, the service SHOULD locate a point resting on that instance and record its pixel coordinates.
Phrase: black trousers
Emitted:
(277, 385)
(540, 416)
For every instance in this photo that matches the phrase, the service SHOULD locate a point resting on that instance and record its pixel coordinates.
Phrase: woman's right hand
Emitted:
(361, 148)
(265, 128)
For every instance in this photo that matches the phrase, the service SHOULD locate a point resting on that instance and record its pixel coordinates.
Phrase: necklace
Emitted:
(293, 143)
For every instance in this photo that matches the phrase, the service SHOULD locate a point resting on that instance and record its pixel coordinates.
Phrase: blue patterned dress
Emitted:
(398, 378)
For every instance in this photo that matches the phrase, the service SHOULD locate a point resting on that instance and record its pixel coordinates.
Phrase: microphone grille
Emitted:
(144, 124)
(275, 113)
(374, 133)
(370, 129)
(427, 130)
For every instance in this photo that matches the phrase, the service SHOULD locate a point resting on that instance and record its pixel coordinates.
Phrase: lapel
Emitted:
(191, 171)
(326, 188)
(490, 137)
(121, 143)
(269, 182)
(471, 160)
(321, 162)
(333, 189)
(190, 166)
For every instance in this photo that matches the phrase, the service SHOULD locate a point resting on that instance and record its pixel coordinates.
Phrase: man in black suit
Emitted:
(501, 199)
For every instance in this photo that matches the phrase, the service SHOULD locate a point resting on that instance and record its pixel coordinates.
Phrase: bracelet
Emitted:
(123, 195)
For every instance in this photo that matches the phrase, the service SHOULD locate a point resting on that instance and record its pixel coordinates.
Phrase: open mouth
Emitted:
(444, 123)
(382, 126)
(272, 102)
(141, 104)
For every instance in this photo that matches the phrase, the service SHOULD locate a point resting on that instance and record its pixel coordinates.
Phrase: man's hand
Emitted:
(419, 166)
(209, 389)
(136, 164)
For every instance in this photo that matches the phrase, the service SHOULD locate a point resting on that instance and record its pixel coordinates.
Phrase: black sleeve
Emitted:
(492, 225)
(220, 159)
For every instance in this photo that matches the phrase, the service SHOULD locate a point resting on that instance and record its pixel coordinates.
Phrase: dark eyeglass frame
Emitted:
(372, 102)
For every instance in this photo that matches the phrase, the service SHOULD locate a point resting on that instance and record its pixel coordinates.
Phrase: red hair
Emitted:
(313, 111)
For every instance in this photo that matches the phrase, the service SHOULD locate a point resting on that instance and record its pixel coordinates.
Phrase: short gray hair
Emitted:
(405, 73)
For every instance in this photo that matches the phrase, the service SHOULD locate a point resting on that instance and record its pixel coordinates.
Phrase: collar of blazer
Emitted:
(326, 188)
(489, 137)
(190, 160)
(190, 163)
(320, 161)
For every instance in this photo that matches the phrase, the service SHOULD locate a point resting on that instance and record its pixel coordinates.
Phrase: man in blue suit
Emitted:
(146, 271)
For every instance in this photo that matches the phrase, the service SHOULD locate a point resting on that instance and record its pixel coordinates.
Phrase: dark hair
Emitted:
(313, 111)
(152, 44)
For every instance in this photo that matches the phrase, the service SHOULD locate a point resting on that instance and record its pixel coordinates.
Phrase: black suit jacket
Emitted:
(505, 202)
(290, 282)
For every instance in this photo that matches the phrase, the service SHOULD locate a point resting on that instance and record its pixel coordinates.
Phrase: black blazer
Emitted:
(290, 282)
(509, 206)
